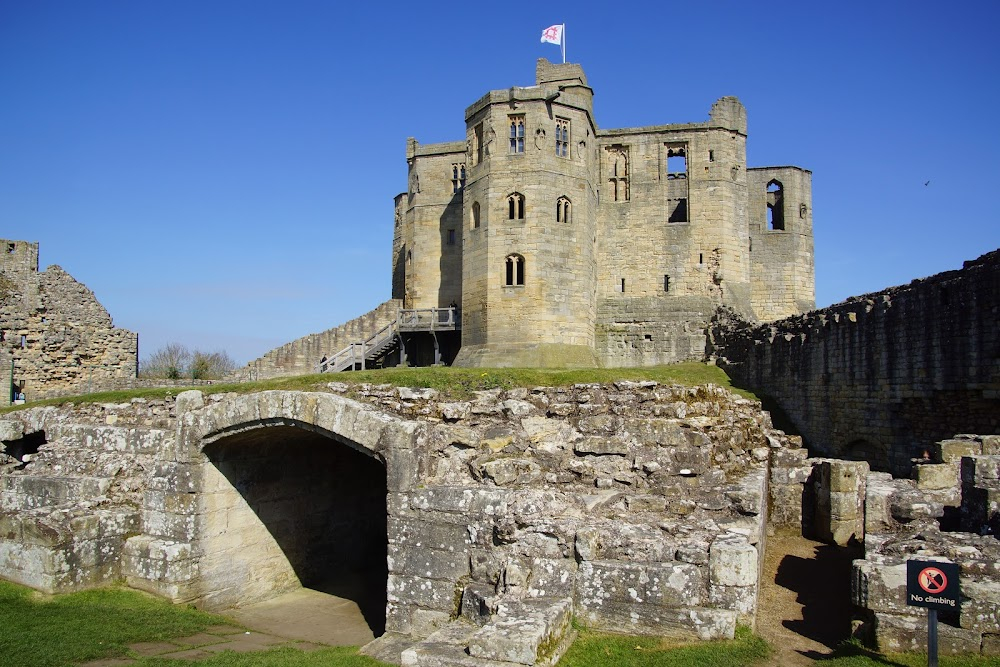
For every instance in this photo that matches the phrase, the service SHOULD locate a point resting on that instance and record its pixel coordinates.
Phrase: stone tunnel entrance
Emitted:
(288, 506)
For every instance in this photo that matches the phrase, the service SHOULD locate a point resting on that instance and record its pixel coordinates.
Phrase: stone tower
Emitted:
(529, 265)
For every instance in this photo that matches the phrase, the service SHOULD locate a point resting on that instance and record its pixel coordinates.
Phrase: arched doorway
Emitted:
(287, 504)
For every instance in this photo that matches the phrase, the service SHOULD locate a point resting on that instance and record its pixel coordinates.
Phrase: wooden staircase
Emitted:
(357, 356)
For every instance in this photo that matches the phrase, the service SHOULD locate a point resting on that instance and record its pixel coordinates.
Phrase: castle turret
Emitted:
(530, 212)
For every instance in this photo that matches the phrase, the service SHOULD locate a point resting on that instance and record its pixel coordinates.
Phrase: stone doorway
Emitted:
(288, 507)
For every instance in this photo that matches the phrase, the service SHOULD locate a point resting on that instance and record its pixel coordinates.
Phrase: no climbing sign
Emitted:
(932, 584)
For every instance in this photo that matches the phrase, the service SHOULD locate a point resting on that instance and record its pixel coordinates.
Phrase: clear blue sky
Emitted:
(221, 173)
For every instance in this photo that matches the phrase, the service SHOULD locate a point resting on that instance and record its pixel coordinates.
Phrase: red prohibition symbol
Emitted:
(932, 580)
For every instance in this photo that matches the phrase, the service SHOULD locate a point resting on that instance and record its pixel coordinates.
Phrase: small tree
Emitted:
(174, 361)
(210, 365)
(170, 362)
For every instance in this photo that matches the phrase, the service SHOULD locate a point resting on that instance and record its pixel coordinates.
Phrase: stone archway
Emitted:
(291, 490)
(286, 507)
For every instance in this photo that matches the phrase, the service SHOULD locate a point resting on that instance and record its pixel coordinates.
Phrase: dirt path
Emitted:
(805, 608)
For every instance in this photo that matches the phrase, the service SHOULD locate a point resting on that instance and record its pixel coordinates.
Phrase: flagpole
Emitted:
(564, 43)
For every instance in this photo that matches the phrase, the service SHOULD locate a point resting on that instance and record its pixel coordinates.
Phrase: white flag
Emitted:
(553, 34)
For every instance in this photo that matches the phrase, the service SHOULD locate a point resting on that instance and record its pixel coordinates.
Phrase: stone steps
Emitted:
(535, 631)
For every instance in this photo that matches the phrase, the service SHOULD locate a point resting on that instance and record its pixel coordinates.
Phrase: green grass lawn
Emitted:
(851, 654)
(42, 631)
(63, 630)
(602, 650)
(455, 383)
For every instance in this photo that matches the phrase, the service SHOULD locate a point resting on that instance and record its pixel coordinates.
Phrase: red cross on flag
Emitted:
(553, 34)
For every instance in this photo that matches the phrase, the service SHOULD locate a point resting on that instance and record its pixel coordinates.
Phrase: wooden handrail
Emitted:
(408, 319)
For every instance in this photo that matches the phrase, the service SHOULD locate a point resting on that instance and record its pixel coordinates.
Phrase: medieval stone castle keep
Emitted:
(568, 245)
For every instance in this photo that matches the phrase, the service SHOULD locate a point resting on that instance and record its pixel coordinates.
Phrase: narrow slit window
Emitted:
(623, 285)
(666, 283)
(775, 206)
(451, 237)
(475, 215)
(477, 144)
(457, 177)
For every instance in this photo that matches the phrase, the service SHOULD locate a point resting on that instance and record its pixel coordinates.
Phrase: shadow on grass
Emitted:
(851, 653)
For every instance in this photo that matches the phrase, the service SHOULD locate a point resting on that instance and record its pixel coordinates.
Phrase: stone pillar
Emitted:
(840, 497)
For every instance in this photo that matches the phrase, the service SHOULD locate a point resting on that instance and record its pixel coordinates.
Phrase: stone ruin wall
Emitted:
(878, 376)
(60, 338)
(638, 507)
(302, 356)
(948, 509)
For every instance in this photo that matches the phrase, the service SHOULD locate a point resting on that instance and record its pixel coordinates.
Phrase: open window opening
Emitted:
(678, 209)
(775, 206)
(514, 274)
(563, 209)
(515, 206)
(457, 177)
(676, 162)
(477, 144)
(666, 283)
(475, 215)
(24, 446)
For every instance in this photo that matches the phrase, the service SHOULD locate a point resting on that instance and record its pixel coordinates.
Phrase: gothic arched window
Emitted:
(563, 209)
(514, 270)
(515, 206)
